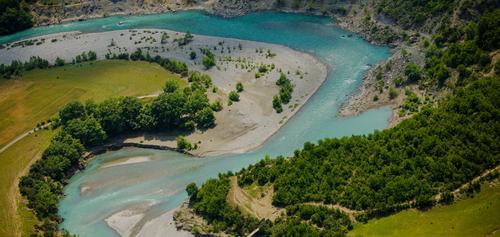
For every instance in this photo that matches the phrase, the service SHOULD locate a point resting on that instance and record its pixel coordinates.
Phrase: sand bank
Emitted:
(241, 127)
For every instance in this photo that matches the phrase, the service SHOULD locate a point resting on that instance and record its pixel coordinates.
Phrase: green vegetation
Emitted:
(239, 87)
(435, 151)
(192, 55)
(14, 218)
(38, 94)
(285, 93)
(186, 39)
(234, 96)
(476, 216)
(170, 64)
(277, 104)
(408, 13)
(209, 58)
(183, 144)
(14, 16)
(88, 125)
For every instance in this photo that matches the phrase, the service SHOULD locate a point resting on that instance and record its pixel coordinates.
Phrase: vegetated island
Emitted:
(245, 76)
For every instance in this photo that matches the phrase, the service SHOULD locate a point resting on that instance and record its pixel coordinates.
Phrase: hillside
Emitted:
(443, 143)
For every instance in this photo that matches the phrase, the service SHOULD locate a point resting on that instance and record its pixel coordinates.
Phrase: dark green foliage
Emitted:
(14, 16)
(489, 30)
(168, 108)
(170, 86)
(59, 62)
(72, 110)
(234, 96)
(277, 104)
(183, 144)
(438, 149)
(43, 185)
(285, 93)
(205, 118)
(216, 106)
(192, 190)
(410, 13)
(192, 55)
(198, 78)
(210, 202)
(88, 131)
(186, 39)
(413, 72)
(239, 87)
(208, 59)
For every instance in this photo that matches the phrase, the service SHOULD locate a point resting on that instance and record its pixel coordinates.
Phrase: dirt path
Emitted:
(18, 138)
(261, 208)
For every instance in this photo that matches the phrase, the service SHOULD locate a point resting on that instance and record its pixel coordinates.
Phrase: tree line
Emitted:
(16, 67)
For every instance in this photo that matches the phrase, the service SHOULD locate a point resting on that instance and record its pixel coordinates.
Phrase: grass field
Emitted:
(477, 216)
(36, 96)
(13, 162)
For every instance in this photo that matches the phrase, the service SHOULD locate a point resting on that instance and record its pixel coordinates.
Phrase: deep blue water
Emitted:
(162, 180)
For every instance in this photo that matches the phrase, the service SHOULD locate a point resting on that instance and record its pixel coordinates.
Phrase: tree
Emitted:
(489, 30)
(183, 144)
(192, 190)
(109, 114)
(277, 104)
(131, 108)
(196, 101)
(413, 72)
(170, 86)
(192, 55)
(205, 118)
(208, 62)
(14, 16)
(168, 108)
(88, 131)
(59, 62)
(234, 96)
(239, 87)
(72, 110)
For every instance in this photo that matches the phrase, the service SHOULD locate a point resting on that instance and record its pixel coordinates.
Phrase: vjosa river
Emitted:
(161, 181)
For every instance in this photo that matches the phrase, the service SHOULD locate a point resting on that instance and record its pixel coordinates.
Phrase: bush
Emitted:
(59, 62)
(234, 96)
(413, 72)
(183, 144)
(208, 62)
(393, 93)
(239, 87)
(205, 118)
(277, 104)
(192, 55)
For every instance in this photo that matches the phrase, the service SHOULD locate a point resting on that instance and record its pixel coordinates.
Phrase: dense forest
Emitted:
(14, 16)
(81, 126)
(426, 156)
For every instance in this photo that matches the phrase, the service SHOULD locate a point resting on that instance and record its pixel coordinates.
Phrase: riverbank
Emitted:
(241, 127)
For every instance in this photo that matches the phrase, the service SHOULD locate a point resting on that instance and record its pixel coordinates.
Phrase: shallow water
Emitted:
(161, 181)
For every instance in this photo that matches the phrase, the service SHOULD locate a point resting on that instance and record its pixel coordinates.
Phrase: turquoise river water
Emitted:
(162, 180)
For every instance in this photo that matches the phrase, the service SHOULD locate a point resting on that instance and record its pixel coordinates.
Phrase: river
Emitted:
(161, 180)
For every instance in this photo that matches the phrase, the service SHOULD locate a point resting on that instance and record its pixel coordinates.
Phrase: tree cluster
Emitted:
(285, 93)
(170, 64)
(17, 67)
(14, 16)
